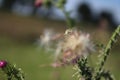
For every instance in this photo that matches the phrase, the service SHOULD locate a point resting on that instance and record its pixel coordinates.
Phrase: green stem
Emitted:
(70, 22)
(11, 71)
(106, 52)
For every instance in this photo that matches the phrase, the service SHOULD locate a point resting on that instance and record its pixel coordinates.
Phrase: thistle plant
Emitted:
(105, 53)
(72, 48)
(11, 71)
(75, 48)
(97, 73)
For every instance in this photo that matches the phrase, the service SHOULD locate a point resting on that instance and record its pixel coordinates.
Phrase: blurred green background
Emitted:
(17, 45)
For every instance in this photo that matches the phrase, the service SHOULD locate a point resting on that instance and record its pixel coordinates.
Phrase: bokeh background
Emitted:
(22, 23)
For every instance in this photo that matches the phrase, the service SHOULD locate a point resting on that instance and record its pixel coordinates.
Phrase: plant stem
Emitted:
(70, 22)
(106, 52)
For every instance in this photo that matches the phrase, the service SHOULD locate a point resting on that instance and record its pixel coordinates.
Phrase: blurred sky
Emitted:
(96, 6)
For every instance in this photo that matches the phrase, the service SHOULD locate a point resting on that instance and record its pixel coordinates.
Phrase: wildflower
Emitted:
(3, 64)
(75, 44)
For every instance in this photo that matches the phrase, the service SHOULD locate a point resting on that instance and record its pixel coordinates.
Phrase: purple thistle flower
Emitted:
(3, 63)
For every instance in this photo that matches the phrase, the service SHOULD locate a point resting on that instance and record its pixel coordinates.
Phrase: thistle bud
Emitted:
(3, 64)
(38, 3)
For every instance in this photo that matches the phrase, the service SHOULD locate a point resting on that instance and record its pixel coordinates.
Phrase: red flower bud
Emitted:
(38, 3)
(3, 64)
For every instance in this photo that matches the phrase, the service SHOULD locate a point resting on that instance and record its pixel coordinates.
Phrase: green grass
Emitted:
(27, 55)
(30, 59)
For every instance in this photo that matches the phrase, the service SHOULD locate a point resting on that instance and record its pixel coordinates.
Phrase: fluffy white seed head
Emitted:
(74, 44)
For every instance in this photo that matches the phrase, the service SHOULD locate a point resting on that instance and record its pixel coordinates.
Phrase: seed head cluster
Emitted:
(71, 45)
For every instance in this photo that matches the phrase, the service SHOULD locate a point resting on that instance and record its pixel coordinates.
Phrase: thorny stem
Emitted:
(70, 22)
(85, 69)
(11, 71)
(107, 75)
(106, 52)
